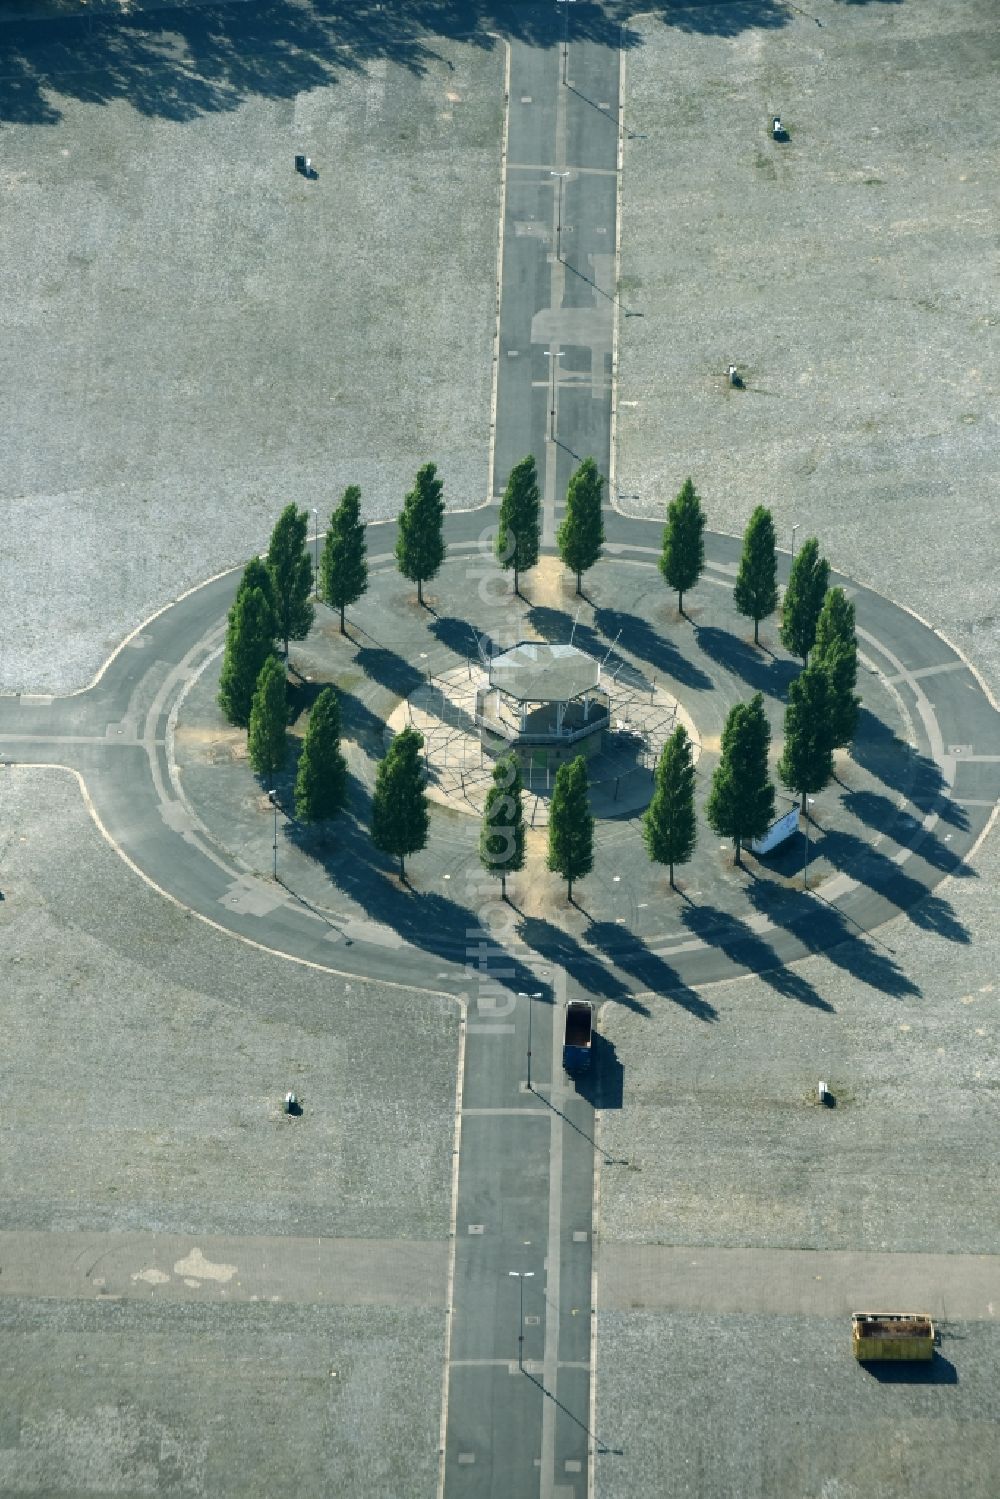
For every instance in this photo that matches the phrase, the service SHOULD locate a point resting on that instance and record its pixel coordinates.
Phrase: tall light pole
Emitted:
(553, 355)
(316, 551)
(521, 1276)
(531, 999)
(562, 178)
(272, 797)
(794, 529)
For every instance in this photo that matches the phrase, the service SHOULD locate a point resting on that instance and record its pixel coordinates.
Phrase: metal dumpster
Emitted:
(878, 1336)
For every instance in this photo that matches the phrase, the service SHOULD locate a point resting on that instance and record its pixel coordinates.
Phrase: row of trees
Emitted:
(821, 716)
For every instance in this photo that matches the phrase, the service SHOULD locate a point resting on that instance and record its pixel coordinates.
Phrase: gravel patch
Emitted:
(146, 1058)
(228, 1400)
(777, 1408)
(729, 1147)
(195, 335)
(847, 273)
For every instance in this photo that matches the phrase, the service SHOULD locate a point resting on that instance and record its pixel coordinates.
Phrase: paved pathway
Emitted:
(796, 1282)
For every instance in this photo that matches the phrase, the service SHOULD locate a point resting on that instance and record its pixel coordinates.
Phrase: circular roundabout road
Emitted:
(169, 787)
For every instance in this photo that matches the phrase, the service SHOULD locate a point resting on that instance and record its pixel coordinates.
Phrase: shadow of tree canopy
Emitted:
(768, 674)
(628, 952)
(852, 856)
(897, 764)
(564, 950)
(747, 949)
(639, 639)
(389, 669)
(178, 63)
(428, 921)
(825, 930)
(457, 634)
(879, 812)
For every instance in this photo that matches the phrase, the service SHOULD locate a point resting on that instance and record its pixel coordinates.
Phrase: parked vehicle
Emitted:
(578, 1036)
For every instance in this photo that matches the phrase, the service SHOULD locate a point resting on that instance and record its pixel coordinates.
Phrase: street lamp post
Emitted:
(562, 178)
(521, 1276)
(805, 862)
(794, 529)
(272, 797)
(553, 355)
(316, 550)
(531, 999)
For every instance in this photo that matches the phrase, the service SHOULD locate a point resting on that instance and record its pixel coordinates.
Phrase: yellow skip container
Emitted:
(879, 1336)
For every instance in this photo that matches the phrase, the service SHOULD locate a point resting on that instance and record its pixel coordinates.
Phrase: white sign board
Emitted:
(779, 830)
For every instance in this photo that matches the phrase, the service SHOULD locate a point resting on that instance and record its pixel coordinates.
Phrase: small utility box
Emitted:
(778, 131)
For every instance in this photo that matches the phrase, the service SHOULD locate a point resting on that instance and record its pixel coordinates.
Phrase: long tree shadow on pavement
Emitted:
(563, 950)
(880, 751)
(770, 675)
(746, 949)
(650, 971)
(825, 931)
(426, 920)
(879, 812)
(179, 63)
(639, 639)
(852, 856)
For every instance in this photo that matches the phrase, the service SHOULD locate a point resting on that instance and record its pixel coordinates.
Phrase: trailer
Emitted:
(892, 1336)
(578, 1036)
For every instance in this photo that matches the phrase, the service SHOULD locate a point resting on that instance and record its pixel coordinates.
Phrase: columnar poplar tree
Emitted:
(256, 575)
(756, 591)
(343, 567)
(291, 572)
(668, 825)
(249, 642)
(571, 825)
(806, 763)
(400, 814)
(741, 801)
(519, 528)
(800, 608)
(501, 838)
(267, 744)
(420, 548)
(683, 556)
(321, 781)
(836, 650)
(581, 535)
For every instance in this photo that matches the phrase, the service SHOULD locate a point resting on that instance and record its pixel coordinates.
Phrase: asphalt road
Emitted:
(517, 1414)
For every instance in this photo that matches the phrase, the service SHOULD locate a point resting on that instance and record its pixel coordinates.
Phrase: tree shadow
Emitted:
(629, 953)
(179, 63)
(747, 949)
(824, 930)
(389, 669)
(877, 811)
(641, 640)
(558, 625)
(562, 949)
(763, 673)
(849, 854)
(880, 751)
(431, 922)
(458, 635)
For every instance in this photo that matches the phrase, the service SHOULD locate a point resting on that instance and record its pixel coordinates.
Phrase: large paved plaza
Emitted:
(200, 1294)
